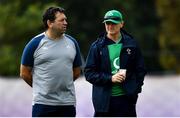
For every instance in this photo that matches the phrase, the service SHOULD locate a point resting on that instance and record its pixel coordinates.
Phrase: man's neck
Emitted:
(114, 37)
(53, 36)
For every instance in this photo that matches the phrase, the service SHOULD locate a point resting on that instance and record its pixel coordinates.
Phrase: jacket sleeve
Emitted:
(92, 70)
(140, 69)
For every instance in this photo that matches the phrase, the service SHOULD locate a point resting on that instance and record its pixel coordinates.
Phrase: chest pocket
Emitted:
(127, 57)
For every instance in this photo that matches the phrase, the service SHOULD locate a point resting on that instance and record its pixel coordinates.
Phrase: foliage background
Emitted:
(154, 24)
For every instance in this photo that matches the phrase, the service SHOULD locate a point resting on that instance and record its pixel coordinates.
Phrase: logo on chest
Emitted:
(68, 46)
(116, 63)
(44, 48)
(128, 51)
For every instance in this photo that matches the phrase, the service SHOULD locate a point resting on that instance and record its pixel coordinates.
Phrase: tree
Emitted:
(21, 20)
(17, 27)
(169, 13)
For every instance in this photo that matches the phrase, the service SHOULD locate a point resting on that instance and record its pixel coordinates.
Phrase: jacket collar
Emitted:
(127, 40)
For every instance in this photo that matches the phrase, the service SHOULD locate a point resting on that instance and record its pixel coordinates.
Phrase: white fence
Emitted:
(160, 97)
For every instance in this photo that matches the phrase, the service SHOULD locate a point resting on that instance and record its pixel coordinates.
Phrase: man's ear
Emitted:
(49, 23)
(122, 24)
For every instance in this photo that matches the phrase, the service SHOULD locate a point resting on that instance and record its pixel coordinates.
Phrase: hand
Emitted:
(118, 78)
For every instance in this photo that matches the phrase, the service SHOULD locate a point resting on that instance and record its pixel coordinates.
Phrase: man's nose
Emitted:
(65, 22)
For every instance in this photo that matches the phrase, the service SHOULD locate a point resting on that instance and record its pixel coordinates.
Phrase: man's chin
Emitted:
(112, 33)
(62, 32)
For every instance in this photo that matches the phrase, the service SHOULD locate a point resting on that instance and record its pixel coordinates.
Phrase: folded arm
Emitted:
(26, 74)
(76, 72)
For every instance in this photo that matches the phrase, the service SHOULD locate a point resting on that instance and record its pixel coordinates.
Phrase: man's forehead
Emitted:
(60, 15)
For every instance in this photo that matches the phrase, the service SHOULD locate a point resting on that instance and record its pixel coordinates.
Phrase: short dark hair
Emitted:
(50, 14)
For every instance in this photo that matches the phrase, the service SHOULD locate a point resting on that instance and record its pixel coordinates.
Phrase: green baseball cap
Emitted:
(113, 16)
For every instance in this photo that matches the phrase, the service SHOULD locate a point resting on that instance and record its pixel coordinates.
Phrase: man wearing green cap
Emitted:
(116, 69)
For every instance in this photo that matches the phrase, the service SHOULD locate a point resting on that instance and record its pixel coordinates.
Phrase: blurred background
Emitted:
(153, 23)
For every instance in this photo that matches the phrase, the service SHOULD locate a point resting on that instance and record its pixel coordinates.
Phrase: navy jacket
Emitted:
(98, 70)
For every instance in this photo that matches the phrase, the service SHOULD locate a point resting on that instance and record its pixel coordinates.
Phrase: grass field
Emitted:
(160, 97)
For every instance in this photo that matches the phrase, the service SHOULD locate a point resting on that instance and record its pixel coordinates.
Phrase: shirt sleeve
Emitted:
(27, 58)
(77, 61)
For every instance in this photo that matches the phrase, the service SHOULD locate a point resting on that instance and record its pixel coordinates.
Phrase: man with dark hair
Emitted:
(50, 63)
(116, 69)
